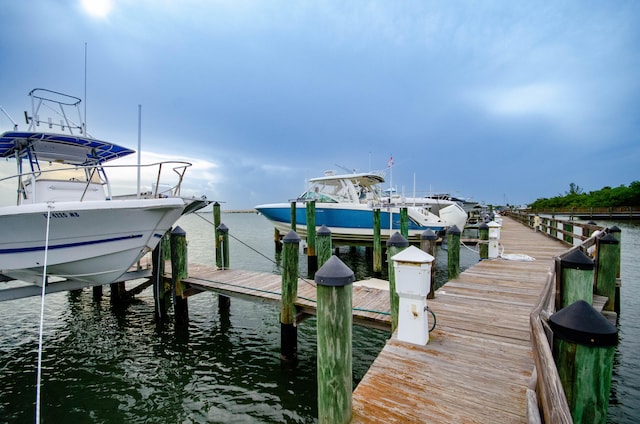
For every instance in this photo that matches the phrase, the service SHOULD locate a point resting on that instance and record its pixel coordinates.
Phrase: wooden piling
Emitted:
(428, 244)
(583, 348)
(223, 239)
(576, 278)
(617, 233)
(97, 293)
(216, 223)
(289, 293)
(377, 244)
(293, 216)
(118, 293)
(276, 240)
(404, 222)
(323, 244)
(162, 299)
(453, 252)
(178, 273)
(607, 254)
(483, 235)
(334, 339)
(395, 245)
(312, 257)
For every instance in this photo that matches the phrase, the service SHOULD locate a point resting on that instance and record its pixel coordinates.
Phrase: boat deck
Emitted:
(478, 363)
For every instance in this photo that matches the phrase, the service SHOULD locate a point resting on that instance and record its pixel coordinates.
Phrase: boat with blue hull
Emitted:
(345, 204)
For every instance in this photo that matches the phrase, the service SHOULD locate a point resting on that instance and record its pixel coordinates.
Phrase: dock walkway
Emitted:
(478, 363)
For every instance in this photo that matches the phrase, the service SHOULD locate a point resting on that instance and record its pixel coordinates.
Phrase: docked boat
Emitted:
(345, 204)
(66, 221)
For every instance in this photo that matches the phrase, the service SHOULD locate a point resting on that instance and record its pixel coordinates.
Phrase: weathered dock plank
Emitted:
(478, 363)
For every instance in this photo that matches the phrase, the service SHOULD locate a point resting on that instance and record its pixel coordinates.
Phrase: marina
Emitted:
(469, 327)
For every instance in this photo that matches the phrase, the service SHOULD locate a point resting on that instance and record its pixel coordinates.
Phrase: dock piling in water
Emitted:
(453, 252)
(312, 258)
(377, 245)
(324, 244)
(334, 332)
(576, 279)
(606, 269)
(178, 273)
(428, 243)
(289, 293)
(395, 245)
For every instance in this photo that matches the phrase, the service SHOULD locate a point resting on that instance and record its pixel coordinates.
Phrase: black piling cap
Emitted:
(323, 231)
(614, 229)
(579, 323)
(454, 230)
(397, 240)
(608, 239)
(222, 228)
(428, 234)
(483, 226)
(592, 223)
(178, 232)
(291, 237)
(334, 273)
(577, 260)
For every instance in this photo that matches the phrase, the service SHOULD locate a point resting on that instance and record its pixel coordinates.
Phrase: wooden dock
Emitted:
(478, 363)
(370, 303)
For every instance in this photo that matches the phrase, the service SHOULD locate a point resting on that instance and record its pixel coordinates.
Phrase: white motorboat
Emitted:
(345, 204)
(66, 221)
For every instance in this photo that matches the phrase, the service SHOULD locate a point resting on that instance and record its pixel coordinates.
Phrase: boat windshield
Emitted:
(341, 191)
(62, 172)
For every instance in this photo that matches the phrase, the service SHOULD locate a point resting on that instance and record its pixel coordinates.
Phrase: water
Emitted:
(107, 365)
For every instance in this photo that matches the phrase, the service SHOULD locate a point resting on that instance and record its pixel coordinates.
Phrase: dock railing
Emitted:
(570, 232)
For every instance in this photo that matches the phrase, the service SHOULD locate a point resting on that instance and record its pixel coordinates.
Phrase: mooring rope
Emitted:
(44, 287)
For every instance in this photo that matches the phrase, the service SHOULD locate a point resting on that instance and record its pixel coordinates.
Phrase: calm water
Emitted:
(101, 364)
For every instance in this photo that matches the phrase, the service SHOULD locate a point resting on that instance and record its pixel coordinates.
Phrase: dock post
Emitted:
(584, 345)
(216, 224)
(617, 233)
(395, 245)
(162, 299)
(428, 243)
(334, 282)
(288, 328)
(276, 240)
(453, 252)
(607, 255)
(97, 293)
(576, 279)
(324, 244)
(404, 222)
(178, 273)
(293, 216)
(377, 244)
(118, 293)
(312, 258)
(483, 235)
(223, 238)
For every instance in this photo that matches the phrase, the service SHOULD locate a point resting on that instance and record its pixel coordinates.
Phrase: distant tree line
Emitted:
(603, 198)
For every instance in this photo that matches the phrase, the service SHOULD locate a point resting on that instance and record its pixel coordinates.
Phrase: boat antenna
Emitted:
(84, 124)
(139, 146)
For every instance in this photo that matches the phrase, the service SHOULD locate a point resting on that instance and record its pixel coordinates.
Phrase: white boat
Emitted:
(345, 204)
(66, 219)
(449, 209)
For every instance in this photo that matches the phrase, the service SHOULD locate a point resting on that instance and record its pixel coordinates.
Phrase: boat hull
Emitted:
(346, 222)
(91, 241)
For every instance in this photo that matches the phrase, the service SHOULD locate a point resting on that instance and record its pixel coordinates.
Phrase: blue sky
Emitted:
(498, 101)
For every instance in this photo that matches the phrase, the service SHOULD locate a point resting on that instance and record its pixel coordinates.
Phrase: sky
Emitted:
(500, 102)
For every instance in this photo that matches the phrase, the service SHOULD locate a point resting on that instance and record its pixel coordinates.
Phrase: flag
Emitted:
(390, 163)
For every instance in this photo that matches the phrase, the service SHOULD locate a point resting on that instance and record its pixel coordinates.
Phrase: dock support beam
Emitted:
(453, 252)
(428, 244)
(178, 273)
(395, 244)
(377, 244)
(607, 258)
(288, 328)
(312, 258)
(334, 281)
(584, 345)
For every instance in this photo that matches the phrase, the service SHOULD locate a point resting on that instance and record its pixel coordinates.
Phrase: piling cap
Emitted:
(608, 239)
(291, 237)
(428, 234)
(397, 240)
(579, 323)
(222, 228)
(454, 230)
(323, 231)
(614, 229)
(178, 231)
(483, 226)
(577, 260)
(334, 273)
